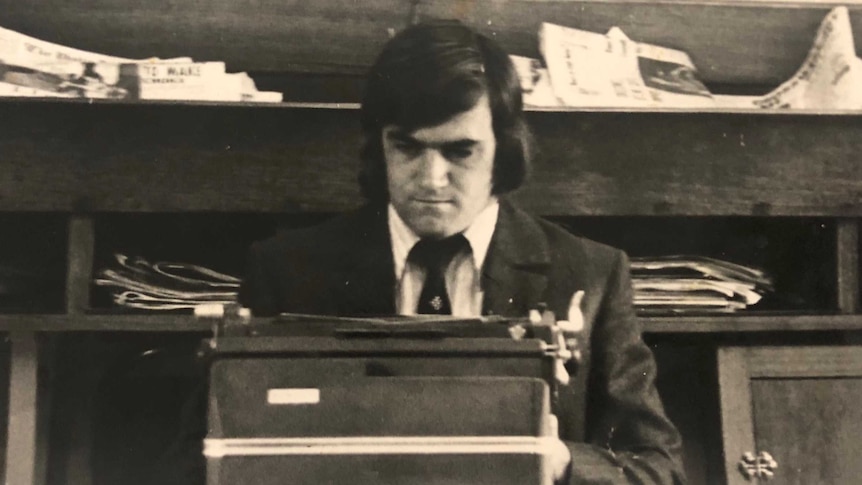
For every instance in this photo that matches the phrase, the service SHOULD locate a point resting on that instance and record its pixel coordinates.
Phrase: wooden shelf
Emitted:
(348, 106)
(354, 106)
(743, 323)
(102, 323)
(82, 157)
(672, 324)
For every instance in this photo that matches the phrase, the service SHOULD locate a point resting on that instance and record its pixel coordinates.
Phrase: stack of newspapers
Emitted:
(695, 284)
(591, 69)
(136, 283)
(35, 68)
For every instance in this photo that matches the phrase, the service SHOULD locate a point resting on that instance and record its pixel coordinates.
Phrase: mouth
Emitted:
(432, 201)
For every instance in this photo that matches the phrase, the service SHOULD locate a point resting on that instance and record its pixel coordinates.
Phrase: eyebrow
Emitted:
(406, 137)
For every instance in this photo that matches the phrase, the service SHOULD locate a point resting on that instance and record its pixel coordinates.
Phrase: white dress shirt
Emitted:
(463, 275)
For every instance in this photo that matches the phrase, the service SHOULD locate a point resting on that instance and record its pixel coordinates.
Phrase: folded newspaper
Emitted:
(535, 83)
(136, 283)
(686, 284)
(588, 69)
(829, 78)
(33, 67)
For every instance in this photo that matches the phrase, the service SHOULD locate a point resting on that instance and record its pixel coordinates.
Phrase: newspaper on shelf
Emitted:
(693, 308)
(136, 283)
(589, 69)
(41, 68)
(9, 89)
(188, 80)
(695, 283)
(249, 91)
(703, 265)
(656, 287)
(535, 82)
(830, 77)
(25, 51)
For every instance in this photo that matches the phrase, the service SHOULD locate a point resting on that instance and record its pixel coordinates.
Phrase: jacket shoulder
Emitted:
(563, 246)
(326, 239)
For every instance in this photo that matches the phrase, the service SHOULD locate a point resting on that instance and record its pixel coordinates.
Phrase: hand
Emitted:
(574, 321)
(575, 317)
(560, 460)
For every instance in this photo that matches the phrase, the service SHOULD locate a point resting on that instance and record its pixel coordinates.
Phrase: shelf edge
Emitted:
(653, 324)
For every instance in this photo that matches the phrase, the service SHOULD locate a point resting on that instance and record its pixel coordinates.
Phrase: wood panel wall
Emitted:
(76, 156)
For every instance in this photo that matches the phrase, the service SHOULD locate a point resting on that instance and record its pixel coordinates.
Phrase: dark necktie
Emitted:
(434, 255)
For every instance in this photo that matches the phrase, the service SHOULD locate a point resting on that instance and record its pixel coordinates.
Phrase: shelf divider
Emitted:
(81, 247)
(80, 263)
(24, 452)
(847, 259)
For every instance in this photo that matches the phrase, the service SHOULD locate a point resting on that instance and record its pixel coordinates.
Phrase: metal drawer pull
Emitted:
(761, 466)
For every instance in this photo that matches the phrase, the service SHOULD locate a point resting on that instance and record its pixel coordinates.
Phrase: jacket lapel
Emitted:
(514, 278)
(515, 275)
(366, 278)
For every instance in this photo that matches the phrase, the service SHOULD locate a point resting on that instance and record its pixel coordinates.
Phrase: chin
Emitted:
(433, 228)
(432, 231)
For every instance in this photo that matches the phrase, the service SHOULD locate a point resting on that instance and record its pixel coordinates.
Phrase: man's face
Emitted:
(439, 176)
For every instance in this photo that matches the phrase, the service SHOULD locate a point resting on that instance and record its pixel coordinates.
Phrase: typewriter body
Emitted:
(305, 399)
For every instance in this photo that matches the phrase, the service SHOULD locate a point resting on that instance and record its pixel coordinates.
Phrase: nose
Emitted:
(434, 170)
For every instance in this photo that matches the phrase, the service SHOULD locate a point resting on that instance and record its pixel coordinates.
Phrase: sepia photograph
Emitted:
(430, 242)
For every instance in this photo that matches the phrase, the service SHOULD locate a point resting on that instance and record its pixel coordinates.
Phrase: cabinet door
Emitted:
(791, 415)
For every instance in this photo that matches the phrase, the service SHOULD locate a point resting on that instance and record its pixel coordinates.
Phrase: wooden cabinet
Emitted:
(170, 180)
(791, 415)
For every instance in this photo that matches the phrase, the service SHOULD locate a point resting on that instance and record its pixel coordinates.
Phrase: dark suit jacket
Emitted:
(612, 417)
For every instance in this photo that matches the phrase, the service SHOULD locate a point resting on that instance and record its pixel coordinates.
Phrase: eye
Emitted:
(409, 149)
(457, 153)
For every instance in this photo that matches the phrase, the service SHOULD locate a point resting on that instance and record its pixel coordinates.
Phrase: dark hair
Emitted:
(430, 72)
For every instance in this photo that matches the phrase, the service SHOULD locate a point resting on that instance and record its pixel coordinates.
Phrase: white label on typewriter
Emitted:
(293, 396)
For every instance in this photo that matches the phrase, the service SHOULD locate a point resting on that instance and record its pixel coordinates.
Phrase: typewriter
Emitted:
(309, 399)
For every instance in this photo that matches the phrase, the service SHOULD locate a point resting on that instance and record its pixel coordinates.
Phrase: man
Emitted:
(445, 140)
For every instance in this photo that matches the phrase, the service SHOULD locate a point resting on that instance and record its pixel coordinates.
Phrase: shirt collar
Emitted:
(478, 234)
